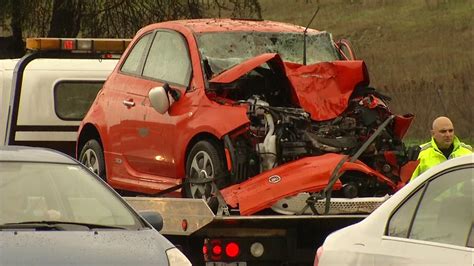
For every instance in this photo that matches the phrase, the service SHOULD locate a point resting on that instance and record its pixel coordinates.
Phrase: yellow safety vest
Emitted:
(430, 155)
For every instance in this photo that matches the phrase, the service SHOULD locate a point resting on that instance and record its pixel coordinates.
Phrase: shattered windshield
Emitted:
(222, 50)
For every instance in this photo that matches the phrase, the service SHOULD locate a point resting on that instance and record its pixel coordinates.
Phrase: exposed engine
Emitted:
(278, 135)
(280, 132)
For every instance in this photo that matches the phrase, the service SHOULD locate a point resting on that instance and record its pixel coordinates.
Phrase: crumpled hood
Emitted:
(103, 247)
(322, 89)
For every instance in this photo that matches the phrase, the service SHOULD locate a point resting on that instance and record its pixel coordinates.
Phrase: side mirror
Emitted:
(153, 218)
(345, 49)
(159, 99)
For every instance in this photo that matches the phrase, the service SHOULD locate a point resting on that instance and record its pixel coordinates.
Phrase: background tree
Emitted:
(104, 18)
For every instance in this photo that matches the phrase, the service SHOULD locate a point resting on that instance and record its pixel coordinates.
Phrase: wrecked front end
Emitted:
(305, 122)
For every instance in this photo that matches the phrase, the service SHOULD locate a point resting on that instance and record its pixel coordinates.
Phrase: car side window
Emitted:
(399, 224)
(136, 55)
(168, 59)
(444, 213)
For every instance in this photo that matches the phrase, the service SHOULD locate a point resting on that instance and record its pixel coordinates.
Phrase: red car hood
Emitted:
(309, 174)
(322, 89)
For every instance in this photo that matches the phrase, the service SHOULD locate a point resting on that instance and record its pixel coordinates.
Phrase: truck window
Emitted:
(72, 99)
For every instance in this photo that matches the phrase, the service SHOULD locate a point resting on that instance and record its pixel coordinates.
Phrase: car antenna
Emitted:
(305, 34)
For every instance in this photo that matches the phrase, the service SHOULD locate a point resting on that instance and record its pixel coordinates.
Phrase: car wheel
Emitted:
(205, 161)
(92, 156)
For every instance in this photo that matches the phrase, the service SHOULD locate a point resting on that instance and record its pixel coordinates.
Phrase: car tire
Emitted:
(205, 160)
(92, 156)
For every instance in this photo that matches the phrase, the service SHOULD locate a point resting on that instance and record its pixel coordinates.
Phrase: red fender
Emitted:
(310, 174)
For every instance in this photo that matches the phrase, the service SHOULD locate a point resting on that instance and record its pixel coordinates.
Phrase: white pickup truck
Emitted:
(45, 94)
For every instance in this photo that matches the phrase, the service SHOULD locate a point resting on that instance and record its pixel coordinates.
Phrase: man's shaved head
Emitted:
(443, 132)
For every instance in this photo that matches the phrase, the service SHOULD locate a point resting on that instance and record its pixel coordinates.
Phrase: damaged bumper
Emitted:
(310, 174)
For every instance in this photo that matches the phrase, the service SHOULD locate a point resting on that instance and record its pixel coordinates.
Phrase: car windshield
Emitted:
(39, 192)
(222, 50)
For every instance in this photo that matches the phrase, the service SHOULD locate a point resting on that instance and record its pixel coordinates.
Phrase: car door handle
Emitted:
(128, 103)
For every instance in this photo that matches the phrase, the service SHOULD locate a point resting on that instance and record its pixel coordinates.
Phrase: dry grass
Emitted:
(420, 52)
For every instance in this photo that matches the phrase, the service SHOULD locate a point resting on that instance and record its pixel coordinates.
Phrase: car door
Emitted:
(435, 225)
(147, 136)
(126, 103)
(168, 62)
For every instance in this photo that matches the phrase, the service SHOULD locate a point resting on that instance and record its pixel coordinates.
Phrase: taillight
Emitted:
(319, 253)
(213, 250)
(239, 249)
(217, 250)
(232, 249)
(184, 225)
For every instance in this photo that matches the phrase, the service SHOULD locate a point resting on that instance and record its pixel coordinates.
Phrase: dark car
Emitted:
(54, 211)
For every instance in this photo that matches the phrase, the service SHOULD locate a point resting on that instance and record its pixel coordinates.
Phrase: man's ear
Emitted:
(432, 132)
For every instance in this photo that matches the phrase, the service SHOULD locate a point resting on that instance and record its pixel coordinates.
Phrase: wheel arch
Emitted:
(190, 144)
(89, 131)
(198, 137)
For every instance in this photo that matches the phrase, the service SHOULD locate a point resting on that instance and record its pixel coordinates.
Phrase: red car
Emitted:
(262, 109)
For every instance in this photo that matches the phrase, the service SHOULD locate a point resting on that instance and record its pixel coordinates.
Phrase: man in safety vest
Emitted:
(444, 145)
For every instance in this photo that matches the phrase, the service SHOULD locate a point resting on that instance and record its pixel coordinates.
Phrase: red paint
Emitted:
(309, 174)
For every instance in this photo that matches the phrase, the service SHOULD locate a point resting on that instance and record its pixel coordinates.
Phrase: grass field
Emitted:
(420, 52)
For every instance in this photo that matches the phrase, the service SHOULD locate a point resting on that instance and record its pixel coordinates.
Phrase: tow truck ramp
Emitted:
(182, 216)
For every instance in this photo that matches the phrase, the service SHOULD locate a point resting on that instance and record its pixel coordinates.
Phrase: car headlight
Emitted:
(176, 258)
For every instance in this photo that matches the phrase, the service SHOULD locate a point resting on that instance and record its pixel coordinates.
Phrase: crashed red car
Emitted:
(262, 109)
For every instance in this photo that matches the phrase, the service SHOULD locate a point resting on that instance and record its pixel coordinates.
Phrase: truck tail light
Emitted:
(217, 250)
(232, 249)
(213, 250)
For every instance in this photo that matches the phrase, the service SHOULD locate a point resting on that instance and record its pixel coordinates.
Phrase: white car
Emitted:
(428, 222)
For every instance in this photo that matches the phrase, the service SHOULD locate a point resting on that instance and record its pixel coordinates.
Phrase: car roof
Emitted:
(224, 25)
(33, 154)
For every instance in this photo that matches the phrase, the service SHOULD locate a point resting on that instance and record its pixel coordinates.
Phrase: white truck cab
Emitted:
(45, 94)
